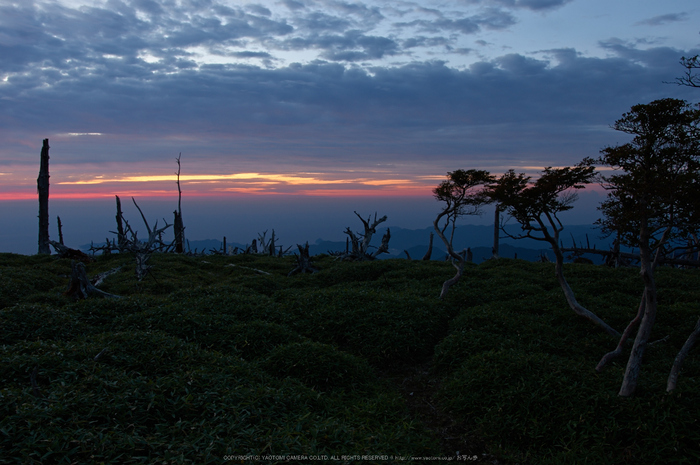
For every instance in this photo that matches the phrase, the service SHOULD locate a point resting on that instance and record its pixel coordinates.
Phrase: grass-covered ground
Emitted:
(208, 358)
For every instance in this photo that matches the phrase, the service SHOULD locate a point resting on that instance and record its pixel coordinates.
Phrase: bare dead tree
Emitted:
(121, 236)
(179, 227)
(361, 241)
(303, 261)
(129, 241)
(60, 230)
(42, 184)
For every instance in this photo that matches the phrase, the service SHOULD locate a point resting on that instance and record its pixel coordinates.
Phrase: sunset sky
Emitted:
(305, 110)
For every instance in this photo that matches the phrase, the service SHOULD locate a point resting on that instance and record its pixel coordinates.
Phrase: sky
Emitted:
(291, 114)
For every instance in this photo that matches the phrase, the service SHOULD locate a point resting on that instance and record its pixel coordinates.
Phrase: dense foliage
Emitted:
(208, 357)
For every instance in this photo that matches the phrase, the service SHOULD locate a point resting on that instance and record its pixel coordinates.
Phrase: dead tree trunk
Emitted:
(67, 252)
(42, 184)
(60, 230)
(360, 249)
(80, 287)
(121, 236)
(303, 261)
(429, 253)
(178, 225)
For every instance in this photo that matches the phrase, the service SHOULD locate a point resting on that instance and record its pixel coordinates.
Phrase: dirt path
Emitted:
(419, 388)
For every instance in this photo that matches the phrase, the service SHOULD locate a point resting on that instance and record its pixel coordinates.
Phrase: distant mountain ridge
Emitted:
(479, 238)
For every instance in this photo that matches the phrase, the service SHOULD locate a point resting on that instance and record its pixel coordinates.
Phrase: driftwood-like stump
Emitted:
(67, 252)
(303, 261)
(80, 286)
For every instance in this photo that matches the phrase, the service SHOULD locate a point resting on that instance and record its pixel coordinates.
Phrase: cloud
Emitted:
(314, 85)
(490, 19)
(535, 5)
(293, 4)
(259, 10)
(664, 19)
(318, 22)
(325, 114)
(351, 46)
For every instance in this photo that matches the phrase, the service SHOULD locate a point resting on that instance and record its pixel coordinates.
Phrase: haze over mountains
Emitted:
(479, 238)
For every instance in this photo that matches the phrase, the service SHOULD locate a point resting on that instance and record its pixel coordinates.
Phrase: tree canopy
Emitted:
(656, 176)
(536, 205)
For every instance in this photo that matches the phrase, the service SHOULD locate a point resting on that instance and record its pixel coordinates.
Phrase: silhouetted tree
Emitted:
(463, 193)
(691, 78)
(536, 207)
(361, 241)
(654, 198)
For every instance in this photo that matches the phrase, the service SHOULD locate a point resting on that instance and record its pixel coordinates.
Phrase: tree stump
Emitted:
(303, 261)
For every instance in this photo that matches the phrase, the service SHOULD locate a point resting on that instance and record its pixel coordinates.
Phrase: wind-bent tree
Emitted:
(463, 193)
(536, 206)
(654, 198)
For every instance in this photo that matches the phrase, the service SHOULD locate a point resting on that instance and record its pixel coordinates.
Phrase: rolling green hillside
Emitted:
(214, 357)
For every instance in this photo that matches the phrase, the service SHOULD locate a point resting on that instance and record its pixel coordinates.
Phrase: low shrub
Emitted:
(320, 366)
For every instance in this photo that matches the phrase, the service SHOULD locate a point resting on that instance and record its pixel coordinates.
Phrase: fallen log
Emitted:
(67, 252)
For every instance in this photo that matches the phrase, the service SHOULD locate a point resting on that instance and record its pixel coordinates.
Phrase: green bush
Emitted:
(211, 356)
(320, 366)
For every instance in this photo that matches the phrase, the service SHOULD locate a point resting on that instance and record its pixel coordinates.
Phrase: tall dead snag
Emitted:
(536, 206)
(463, 194)
(60, 230)
(42, 184)
(178, 225)
(303, 261)
(121, 236)
(361, 241)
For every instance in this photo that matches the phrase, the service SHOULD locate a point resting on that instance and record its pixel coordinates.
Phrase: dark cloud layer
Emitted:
(131, 70)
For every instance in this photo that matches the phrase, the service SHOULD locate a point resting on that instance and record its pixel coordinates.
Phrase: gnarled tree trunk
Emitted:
(682, 354)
